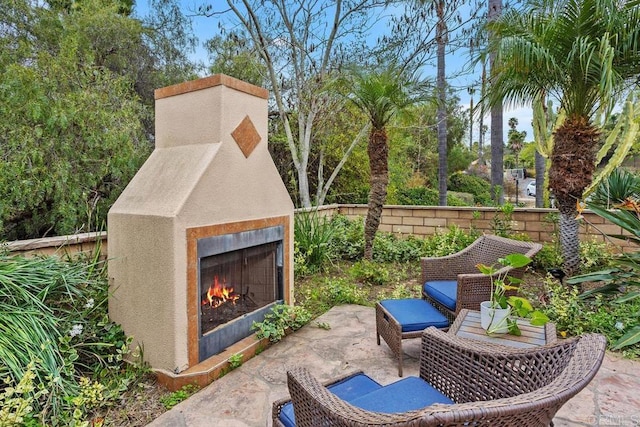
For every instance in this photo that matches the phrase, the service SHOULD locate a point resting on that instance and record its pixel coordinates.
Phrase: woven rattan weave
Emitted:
(492, 385)
(390, 330)
(473, 286)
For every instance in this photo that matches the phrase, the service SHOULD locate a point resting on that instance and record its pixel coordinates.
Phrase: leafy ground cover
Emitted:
(63, 360)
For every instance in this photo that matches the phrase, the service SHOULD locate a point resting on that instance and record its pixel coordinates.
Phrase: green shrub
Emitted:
(453, 200)
(401, 291)
(388, 247)
(347, 243)
(300, 266)
(53, 317)
(418, 196)
(466, 198)
(369, 272)
(593, 256)
(423, 196)
(575, 315)
(235, 360)
(17, 400)
(551, 254)
(621, 275)
(281, 318)
(472, 184)
(348, 238)
(312, 234)
(453, 240)
(320, 295)
(548, 257)
(502, 222)
(342, 291)
(616, 188)
(178, 396)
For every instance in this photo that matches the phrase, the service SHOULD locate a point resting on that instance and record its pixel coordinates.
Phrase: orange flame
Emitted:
(218, 293)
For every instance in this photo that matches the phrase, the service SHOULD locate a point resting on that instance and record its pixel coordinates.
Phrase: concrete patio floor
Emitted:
(244, 396)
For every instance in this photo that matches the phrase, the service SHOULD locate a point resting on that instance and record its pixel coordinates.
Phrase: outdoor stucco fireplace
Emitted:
(200, 241)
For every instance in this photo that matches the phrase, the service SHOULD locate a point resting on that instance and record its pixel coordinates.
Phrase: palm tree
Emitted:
(497, 139)
(584, 53)
(380, 95)
(441, 83)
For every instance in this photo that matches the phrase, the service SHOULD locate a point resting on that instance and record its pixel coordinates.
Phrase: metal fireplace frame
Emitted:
(220, 238)
(221, 337)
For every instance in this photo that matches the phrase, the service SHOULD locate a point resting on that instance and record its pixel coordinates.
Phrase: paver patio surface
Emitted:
(244, 396)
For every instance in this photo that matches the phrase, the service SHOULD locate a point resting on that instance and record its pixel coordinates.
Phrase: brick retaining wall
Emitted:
(417, 220)
(426, 220)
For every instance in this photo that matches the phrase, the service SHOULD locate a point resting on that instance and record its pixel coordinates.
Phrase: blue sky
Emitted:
(206, 28)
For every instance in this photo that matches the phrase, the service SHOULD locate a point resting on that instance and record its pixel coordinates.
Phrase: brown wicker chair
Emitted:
(489, 383)
(473, 287)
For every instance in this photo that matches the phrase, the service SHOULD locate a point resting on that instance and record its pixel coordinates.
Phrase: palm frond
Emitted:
(580, 51)
(629, 221)
(381, 94)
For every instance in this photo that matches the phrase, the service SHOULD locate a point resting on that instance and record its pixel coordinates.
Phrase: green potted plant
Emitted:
(495, 314)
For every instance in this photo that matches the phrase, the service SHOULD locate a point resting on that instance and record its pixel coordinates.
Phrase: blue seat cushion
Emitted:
(407, 394)
(348, 389)
(414, 314)
(443, 291)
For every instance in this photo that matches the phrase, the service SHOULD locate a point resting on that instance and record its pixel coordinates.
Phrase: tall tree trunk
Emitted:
(441, 35)
(572, 166)
(497, 155)
(541, 166)
(303, 185)
(471, 92)
(378, 151)
(497, 142)
(569, 235)
(483, 91)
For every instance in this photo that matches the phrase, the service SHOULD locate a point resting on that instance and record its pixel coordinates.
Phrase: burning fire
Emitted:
(218, 293)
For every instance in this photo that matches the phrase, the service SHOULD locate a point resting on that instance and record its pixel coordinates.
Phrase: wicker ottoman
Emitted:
(398, 319)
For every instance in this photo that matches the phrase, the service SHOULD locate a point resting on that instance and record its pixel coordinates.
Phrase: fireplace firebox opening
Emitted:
(236, 283)
(240, 279)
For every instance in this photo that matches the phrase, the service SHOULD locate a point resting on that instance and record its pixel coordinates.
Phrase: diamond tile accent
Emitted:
(246, 136)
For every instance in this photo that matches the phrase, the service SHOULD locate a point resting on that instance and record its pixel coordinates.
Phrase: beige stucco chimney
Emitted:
(210, 172)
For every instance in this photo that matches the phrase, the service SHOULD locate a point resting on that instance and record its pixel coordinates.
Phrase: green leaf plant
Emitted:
(501, 283)
(623, 276)
(279, 320)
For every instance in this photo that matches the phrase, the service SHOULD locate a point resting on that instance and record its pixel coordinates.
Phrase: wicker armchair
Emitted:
(488, 383)
(441, 275)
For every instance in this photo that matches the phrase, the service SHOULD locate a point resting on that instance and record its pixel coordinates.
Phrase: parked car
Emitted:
(531, 189)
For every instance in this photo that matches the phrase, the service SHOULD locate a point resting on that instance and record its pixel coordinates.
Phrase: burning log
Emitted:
(219, 293)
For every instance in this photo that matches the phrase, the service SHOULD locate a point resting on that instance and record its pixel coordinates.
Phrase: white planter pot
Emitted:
(494, 320)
